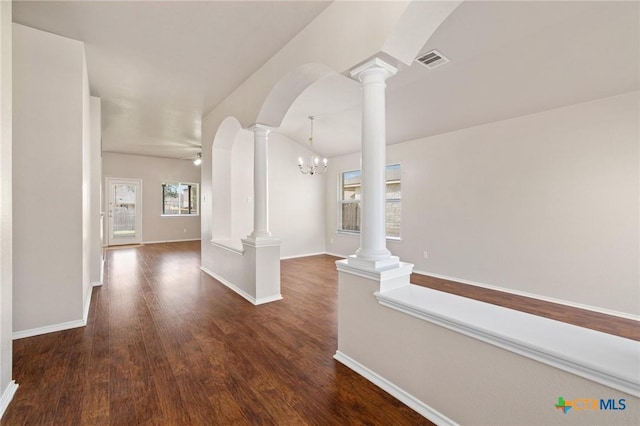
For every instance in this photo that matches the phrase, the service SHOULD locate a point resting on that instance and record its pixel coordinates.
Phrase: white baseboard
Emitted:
(170, 241)
(87, 305)
(48, 329)
(7, 396)
(263, 300)
(244, 294)
(98, 284)
(341, 256)
(534, 296)
(406, 398)
(295, 256)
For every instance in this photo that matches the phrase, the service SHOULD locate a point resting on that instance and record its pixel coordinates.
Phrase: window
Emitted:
(180, 199)
(350, 195)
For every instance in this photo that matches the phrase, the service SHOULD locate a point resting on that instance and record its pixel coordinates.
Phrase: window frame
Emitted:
(342, 202)
(190, 186)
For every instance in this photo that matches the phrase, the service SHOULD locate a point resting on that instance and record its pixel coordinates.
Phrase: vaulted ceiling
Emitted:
(507, 59)
(159, 66)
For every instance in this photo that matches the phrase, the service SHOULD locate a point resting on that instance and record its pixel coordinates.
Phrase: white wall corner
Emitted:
(7, 396)
(87, 304)
(101, 282)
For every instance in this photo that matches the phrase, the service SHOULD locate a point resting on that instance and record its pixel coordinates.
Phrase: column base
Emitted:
(254, 241)
(373, 264)
(389, 277)
(262, 256)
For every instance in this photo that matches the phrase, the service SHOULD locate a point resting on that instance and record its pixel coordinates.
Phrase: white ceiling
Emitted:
(159, 65)
(508, 58)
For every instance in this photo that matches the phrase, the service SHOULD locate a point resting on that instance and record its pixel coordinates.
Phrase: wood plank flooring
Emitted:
(622, 327)
(166, 344)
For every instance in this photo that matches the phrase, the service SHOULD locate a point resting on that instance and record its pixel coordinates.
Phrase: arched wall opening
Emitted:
(221, 178)
(296, 200)
(287, 90)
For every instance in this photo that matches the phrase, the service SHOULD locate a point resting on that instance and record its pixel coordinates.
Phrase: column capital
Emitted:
(260, 128)
(377, 65)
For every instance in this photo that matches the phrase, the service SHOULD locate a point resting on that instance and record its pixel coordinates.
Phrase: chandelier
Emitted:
(314, 165)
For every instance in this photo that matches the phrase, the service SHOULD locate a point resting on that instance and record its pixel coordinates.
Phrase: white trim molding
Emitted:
(101, 282)
(388, 278)
(7, 396)
(269, 299)
(406, 398)
(48, 329)
(296, 256)
(554, 343)
(87, 305)
(238, 290)
(170, 241)
(261, 241)
(534, 296)
(234, 246)
(229, 284)
(336, 255)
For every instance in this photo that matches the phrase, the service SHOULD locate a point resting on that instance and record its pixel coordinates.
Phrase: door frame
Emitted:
(109, 222)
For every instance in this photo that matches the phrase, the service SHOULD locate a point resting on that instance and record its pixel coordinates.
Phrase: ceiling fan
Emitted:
(197, 158)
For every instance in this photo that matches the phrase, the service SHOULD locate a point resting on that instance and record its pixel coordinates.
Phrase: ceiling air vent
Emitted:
(432, 59)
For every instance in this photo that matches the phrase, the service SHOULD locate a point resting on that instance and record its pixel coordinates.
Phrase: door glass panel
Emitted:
(124, 210)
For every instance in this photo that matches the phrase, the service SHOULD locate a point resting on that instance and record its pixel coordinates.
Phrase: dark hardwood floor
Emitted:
(166, 344)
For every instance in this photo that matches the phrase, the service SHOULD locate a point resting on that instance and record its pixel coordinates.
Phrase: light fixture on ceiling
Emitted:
(198, 160)
(314, 165)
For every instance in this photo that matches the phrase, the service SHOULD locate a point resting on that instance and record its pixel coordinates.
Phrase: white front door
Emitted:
(124, 202)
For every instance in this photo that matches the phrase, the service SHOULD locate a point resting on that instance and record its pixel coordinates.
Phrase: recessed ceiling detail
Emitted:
(432, 59)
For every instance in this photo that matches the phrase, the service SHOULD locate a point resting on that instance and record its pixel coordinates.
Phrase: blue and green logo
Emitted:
(589, 404)
(563, 405)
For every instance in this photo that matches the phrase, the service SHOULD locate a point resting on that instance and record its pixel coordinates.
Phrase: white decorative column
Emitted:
(261, 251)
(373, 253)
(372, 270)
(260, 183)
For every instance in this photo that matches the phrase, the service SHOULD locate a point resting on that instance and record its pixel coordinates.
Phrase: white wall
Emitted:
(49, 100)
(297, 212)
(463, 378)
(95, 193)
(7, 387)
(87, 219)
(545, 204)
(241, 186)
(154, 171)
